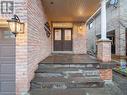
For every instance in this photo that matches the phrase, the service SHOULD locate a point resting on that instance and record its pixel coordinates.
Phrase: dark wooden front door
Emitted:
(62, 39)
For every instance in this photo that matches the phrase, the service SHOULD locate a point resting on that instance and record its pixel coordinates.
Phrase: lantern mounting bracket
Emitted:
(16, 18)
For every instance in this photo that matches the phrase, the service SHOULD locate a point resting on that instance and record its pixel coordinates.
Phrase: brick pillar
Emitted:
(106, 74)
(104, 55)
(104, 50)
(104, 45)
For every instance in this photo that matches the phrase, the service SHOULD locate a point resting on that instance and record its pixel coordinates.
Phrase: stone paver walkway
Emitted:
(121, 82)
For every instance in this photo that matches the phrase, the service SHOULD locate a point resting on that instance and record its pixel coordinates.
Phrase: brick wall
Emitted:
(123, 26)
(21, 49)
(32, 46)
(79, 40)
(106, 74)
(39, 45)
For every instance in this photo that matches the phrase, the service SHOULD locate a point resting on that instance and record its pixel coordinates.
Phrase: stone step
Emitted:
(69, 74)
(62, 69)
(67, 85)
(63, 83)
(65, 76)
(72, 91)
(63, 79)
(78, 65)
(45, 70)
(58, 92)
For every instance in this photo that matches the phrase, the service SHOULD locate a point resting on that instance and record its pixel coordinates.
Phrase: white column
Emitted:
(103, 19)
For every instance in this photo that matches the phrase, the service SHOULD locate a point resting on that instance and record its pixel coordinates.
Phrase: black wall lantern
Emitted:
(47, 29)
(16, 26)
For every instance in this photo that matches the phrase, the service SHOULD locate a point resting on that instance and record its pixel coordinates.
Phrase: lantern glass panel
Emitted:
(18, 27)
(12, 26)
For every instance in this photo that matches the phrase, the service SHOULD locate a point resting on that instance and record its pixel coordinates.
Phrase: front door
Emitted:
(62, 39)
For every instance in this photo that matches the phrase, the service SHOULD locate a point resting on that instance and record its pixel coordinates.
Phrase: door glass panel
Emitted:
(58, 34)
(67, 35)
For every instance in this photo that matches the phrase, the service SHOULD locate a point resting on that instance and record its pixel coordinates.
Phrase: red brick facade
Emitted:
(106, 74)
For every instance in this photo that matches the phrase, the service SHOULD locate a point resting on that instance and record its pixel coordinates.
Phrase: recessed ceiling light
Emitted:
(52, 3)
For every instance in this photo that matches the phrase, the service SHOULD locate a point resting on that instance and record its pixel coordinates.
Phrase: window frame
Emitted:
(90, 25)
(7, 7)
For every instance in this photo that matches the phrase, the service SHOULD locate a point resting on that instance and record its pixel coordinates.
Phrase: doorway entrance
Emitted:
(62, 39)
(111, 36)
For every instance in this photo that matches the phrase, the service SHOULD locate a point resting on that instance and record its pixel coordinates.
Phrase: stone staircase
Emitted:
(67, 76)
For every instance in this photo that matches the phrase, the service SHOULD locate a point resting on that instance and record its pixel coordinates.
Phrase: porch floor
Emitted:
(69, 58)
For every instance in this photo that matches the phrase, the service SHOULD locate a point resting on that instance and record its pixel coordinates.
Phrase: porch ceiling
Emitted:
(70, 10)
(3, 23)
